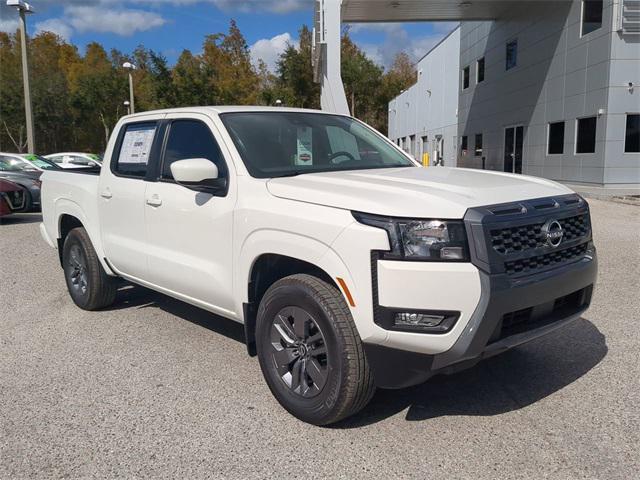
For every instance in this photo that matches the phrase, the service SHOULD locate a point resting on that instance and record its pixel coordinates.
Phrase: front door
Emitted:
(190, 233)
(513, 142)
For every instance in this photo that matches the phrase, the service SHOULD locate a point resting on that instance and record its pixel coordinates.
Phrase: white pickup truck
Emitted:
(350, 265)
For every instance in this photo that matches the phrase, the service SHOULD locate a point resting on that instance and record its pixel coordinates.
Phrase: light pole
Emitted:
(131, 67)
(24, 8)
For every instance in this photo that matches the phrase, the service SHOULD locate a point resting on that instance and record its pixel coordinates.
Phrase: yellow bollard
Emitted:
(425, 159)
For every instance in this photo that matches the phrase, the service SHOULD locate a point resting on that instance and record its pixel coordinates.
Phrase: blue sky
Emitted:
(168, 26)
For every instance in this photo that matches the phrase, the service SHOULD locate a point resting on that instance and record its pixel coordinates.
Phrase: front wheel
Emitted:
(89, 285)
(310, 352)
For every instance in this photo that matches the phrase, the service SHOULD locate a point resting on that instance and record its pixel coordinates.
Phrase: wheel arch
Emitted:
(290, 254)
(69, 216)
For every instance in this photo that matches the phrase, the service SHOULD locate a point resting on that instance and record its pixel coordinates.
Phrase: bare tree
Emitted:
(21, 144)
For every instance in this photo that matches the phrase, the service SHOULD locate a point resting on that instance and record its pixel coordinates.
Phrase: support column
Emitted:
(333, 98)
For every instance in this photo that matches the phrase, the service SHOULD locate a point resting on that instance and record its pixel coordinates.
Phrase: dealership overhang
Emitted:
(331, 14)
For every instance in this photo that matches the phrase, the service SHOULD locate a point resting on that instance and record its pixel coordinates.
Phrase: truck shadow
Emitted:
(501, 384)
(134, 296)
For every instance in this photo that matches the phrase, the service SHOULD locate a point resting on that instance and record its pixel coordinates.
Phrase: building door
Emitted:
(513, 141)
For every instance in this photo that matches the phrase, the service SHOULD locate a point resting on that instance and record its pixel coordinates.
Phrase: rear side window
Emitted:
(191, 139)
(135, 149)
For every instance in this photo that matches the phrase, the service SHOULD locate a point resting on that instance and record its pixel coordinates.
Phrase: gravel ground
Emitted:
(154, 388)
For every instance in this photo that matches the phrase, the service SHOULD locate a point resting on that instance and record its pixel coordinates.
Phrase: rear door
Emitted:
(121, 194)
(190, 233)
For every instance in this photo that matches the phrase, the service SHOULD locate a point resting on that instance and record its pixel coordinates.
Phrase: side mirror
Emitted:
(198, 174)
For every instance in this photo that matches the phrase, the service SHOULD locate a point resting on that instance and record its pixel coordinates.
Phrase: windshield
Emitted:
(277, 144)
(12, 164)
(41, 162)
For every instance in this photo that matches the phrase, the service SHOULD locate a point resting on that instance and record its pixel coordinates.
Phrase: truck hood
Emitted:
(434, 192)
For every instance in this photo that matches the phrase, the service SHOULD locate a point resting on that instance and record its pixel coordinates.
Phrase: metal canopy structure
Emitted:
(354, 11)
(330, 14)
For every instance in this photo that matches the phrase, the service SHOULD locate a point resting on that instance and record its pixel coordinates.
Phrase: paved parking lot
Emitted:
(154, 388)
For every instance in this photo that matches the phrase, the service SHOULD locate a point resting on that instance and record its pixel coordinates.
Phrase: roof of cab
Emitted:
(226, 109)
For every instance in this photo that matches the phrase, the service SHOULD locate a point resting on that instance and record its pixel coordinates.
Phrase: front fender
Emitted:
(309, 250)
(277, 242)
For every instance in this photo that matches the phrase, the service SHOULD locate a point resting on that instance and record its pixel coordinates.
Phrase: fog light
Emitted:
(452, 253)
(417, 320)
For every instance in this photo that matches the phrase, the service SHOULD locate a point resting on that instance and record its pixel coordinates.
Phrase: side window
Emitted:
(465, 77)
(56, 159)
(512, 55)
(135, 149)
(591, 15)
(191, 139)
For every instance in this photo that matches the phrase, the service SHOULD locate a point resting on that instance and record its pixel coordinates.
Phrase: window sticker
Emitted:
(136, 144)
(304, 155)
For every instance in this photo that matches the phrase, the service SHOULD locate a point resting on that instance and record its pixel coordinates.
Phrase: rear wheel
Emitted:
(89, 285)
(310, 352)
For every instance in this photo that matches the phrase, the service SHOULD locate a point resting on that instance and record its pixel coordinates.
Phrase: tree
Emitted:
(227, 61)
(189, 81)
(361, 78)
(296, 87)
(11, 95)
(97, 89)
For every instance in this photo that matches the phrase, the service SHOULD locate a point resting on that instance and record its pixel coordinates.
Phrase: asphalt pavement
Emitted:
(153, 388)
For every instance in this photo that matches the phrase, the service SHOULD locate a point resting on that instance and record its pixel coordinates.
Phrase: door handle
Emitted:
(106, 193)
(154, 200)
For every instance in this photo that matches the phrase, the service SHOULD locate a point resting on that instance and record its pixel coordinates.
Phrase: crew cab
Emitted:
(350, 265)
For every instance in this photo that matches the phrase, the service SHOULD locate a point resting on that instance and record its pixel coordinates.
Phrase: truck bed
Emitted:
(76, 191)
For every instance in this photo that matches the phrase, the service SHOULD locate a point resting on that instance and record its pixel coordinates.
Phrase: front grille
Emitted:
(511, 238)
(506, 241)
(15, 199)
(529, 264)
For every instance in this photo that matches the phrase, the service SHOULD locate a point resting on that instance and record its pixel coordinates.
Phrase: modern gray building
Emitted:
(551, 92)
(423, 119)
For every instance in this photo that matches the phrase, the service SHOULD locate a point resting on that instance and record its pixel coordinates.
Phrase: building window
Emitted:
(586, 135)
(632, 134)
(591, 15)
(464, 144)
(556, 138)
(512, 54)
(465, 77)
(480, 70)
(478, 150)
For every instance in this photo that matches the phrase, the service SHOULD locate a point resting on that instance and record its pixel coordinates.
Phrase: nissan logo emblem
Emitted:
(552, 233)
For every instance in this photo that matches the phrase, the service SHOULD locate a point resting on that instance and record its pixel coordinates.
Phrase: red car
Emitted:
(12, 198)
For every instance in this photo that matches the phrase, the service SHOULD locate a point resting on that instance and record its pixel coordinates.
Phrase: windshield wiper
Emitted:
(293, 173)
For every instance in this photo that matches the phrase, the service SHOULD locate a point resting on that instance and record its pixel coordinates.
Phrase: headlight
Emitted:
(429, 240)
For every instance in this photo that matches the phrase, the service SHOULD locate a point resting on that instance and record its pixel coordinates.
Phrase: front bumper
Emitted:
(510, 312)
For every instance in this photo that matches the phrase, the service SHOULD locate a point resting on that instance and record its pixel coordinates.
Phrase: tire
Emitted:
(28, 202)
(316, 368)
(89, 285)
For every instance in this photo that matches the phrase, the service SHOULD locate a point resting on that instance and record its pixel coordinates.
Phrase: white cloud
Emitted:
(275, 6)
(123, 22)
(397, 39)
(101, 19)
(9, 26)
(245, 6)
(269, 49)
(55, 25)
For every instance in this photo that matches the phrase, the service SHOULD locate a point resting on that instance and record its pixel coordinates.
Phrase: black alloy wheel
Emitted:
(299, 351)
